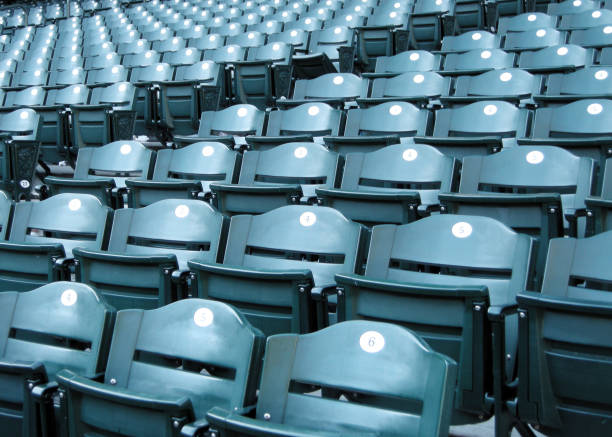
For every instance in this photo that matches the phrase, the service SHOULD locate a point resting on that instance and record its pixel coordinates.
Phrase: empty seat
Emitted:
(301, 123)
(107, 76)
(593, 37)
(478, 128)
(279, 266)
(102, 171)
(411, 60)
(57, 326)
(533, 39)
(526, 21)
(414, 87)
(586, 83)
(564, 361)
(567, 57)
(283, 175)
(568, 7)
(330, 50)
(333, 88)
(145, 265)
(158, 346)
(146, 80)
(185, 173)
(223, 125)
(539, 191)
(448, 273)
(369, 129)
(425, 24)
(396, 184)
(477, 61)
(43, 234)
(586, 19)
(470, 41)
(381, 401)
(376, 37)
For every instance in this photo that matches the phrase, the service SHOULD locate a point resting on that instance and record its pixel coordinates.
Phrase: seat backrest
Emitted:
(64, 325)
(413, 396)
(455, 250)
(68, 77)
(108, 75)
(248, 39)
(187, 228)
(329, 40)
(122, 94)
(331, 85)
(158, 345)
(411, 84)
(314, 118)
(596, 81)
(319, 239)
(71, 95)
(412, 60)
(558, 56)
(401, 167)
(240, 119)
(204, 71)
(159, 72)
(592, 37)
(586, 19)
(23, 124)
(503, 82)
(476, 39)
(117, 159)
(479, 59)
(226, 54)
(526, 21)
(586, 117)
(533, 39)
(184, 56)
(277, 52)
(401, 118)
(571, 7)
(70, 219)
(33, 96)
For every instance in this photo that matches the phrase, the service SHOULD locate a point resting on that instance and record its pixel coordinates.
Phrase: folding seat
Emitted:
(289, 256)
(512, 85)
(369, 129)
(564, 359)
(222, 125)
(376, 37)
(43, 235)
(283, 16)
(125, 37)
(108, 117)
(567, 57)
(186, 173)
(26, 97)
(265, 75)
(102, 171)
(145, 265)
(250, 19)
(396, 184)
(143, 59)
(414, 87)
(586, 19)
(525, 22)
(569, 7)
(57, 326)
(533, 39)
(297, 38)
(453, 279)
(192, 32)
(97, 48)
(309, 24)
(159, 345)
(230, 29)
(425, 27)
(146, 80)
(266, 28)
(467, 41)
(102, 61)
(226, 54)
(159, 34)
(539, 190)
(184, 56)
(583, 127)
(380, 402)
(284, 175)
(169, 45)
(589, 82)
(478, 128)
(247, 39)
(330, 50)
(207, 42)
(336, 89)
(107, 76)
(594, 37)
(133, 47)
(299, 124)
(63, 78)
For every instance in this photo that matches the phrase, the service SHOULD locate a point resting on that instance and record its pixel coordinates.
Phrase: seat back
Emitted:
(22, 124)
(425, 84)
(317, 119)
(567, 57)
(331, 85)
(413, 395)
(411, 60)
(476, 39)
(240, 119)
(505, 82)
(583, 118)
(478, 60)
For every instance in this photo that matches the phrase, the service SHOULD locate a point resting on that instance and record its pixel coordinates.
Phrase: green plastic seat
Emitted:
(185, 56)
(586, 83)
(207, 42)
(283, 175)
(222, 125)
(330, 50)
(413, 396)
(533, 39)
(537, 190)
(173, 44)
(478, 128)
(526, 21)
(299, 124)
(63, 325)
(297, 38)
(142, 59)
(166, 368)
(102, 61)
(599, 207)
(279, 267)
(425, 25)
(586, 19)
(43, 235)
(107, 76)
(38, 78)
(477, 61)
(186, 173)
(564, 361)
(470, 14)
(467, 41)
(67, 63)
(133, 47)
(250, 39)
(108, 117)
(396, 184)
(58, 79)
(410, 60)
(418, 87)
(369, 129)
(568, 7)
(512, 85)
(147, 80)
(452, 279)
(227, 54)
(335, 89)
(559, 58)
(583, 127)
(592, 37)
(145, 265)
(377, 36)
(31, 96)
(102, 171)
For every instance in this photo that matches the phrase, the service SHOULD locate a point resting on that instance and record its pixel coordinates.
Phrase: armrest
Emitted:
(22, 368)
(71, 381)
(195, 429)
(122, 258)
(244, 272)
(320, 292)
(497, 313)
(39, 392)
(56, 249)
(365, 195)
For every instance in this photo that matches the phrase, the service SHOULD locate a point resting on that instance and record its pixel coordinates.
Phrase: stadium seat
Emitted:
(411, 60)
(43, 235)
(146, 80)
(299, 124)
(586, 19)
(470, 41)
(374, 402)
(415, 87)
(425, 26)
(564, 343)
(58, 326)
(289, 256)
(102, 171)
(560, 58)
(330, 50)
(369, 129)
(569, 7)
(186, 173)
(335, 89)
(477, 61)
(158, 345)
(478, 128)
(283, 175)
(453, 279)
(586, 83)
(376, 37)
(223, 125)
(526, 21)
(145, 265)
(107, 76)
(533, 39)
(593, 37)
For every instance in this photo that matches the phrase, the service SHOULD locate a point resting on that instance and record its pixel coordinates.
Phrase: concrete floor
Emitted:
(484, 429)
